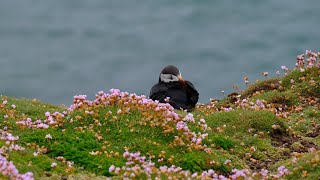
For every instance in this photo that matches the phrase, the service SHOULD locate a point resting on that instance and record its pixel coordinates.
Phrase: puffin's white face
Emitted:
(170, 77)
(170, 74)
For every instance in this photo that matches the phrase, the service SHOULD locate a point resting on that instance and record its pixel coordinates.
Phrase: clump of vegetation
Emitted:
(268, 131)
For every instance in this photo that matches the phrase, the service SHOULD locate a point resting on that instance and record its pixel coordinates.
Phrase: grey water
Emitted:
(54, 49)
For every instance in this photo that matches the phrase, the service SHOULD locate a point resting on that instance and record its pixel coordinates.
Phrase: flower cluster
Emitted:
(51, 120)
(8, 169)
(70, 164)
(307, 60)
(281, 172)
(38, 124)
(9, 111)
(10, 141)
(154, 112)
(137, 166)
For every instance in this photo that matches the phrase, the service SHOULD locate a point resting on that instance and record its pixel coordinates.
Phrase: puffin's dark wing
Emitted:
(158, 92)
(193, 94)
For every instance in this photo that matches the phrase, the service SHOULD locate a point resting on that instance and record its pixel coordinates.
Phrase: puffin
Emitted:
(173, 89)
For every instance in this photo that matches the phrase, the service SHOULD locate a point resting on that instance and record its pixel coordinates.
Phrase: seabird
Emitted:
(182, 94)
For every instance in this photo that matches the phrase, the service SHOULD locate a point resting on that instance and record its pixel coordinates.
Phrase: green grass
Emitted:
(244, 135)
(239, 122)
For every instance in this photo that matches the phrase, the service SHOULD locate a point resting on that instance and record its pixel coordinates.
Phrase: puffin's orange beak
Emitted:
(180, 78)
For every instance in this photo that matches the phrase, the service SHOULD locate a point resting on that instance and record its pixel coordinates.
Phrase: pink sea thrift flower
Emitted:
(117, 170)
(189, 117)
(239, 173)
(194, 175)
(308, 52)
(16, 147)
(281, 172)
(312, 149)
(7, 169)
(115, 91)
(182, 126)
(260, 103)
(47, 114)
(5, 102)
(284, 68)
(291, 81)
(264, 172)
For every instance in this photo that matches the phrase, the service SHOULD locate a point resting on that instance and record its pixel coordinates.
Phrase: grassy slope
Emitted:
(244, 135)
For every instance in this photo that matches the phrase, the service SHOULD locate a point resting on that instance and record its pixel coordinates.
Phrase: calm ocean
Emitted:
(55, 49)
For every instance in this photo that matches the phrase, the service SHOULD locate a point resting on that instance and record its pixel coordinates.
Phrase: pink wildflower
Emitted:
(47, 114)
(112, 168)
(284, 68)
(5, 102)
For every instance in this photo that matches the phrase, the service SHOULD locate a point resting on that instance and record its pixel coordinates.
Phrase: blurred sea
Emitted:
(55, 49)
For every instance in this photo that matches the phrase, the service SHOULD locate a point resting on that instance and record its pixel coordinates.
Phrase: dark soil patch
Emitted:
(281, 101)
(257, 165)
(233, 97)
(315, 132)
(283, 139)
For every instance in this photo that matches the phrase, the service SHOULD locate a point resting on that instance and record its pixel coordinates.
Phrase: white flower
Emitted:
(284, 68)
(54, 164)
(291, 81)
(228, 161)
(13, 106)
(48, 136)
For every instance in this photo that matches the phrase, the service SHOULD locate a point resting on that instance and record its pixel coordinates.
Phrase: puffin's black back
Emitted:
(182, 93)
(181, 96)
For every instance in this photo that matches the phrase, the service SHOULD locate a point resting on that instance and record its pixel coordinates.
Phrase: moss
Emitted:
(222, 141)
(297, 145)
(286, 98)
(240, 121)
(266, 85)
(34, 108)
